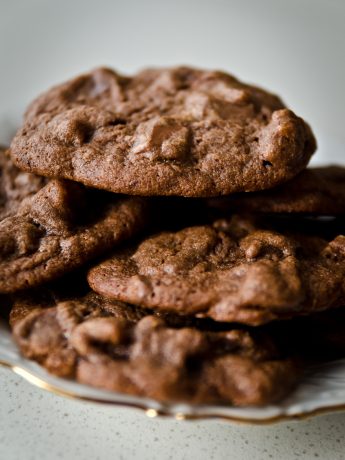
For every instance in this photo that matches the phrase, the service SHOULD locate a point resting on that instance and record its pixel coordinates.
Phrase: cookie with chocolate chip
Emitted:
(122, 348)
(242, 269)
(318, 191)
(59, 228)
(178, 131)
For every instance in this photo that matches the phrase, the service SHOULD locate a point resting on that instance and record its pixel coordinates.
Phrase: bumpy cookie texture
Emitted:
(238, 270)
(60, 228)
(177, 131)
(118, 347)
(16, 186)
(43, 321)
(319, 191)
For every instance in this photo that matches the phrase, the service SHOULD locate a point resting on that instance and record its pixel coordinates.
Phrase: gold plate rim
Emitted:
(39, 382)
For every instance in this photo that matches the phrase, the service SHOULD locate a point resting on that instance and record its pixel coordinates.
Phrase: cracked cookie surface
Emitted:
(238, 270)
(16, 186)
(178, 131)
(59, 228)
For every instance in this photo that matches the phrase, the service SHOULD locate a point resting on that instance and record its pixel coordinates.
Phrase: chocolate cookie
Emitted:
(113, 346)
(59, 228)
(319, 191)
(178, 131)
(16, 186)
(240, 269)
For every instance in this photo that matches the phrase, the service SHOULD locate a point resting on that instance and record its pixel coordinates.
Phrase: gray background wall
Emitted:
(295, 48)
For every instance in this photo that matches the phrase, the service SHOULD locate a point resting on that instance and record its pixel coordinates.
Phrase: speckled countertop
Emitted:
(35, 424)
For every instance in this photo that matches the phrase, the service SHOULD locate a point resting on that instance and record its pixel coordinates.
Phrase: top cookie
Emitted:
(318, 191)
(178, 131)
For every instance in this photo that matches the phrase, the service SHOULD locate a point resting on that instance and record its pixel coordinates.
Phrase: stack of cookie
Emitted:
(160, 236)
